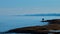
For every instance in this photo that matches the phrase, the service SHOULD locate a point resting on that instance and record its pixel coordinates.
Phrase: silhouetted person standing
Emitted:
(42, 19)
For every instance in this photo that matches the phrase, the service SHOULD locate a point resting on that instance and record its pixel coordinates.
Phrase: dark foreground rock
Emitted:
(36, 29)
(54, 25)
(32, 29)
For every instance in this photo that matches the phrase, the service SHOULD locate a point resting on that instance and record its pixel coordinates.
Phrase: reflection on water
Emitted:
(54, 30)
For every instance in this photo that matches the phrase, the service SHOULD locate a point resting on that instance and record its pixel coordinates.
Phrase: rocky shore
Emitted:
(52, 21)
(53, 25)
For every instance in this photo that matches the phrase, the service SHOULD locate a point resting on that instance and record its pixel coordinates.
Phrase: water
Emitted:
(12, 22)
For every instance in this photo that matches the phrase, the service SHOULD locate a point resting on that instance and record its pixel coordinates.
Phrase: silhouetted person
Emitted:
(42, 19)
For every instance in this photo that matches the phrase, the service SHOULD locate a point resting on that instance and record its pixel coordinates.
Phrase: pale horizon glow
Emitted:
(17, 7)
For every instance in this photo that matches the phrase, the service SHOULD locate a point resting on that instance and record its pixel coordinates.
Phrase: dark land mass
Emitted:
(54, 24)
(53, 21)
(36, 29)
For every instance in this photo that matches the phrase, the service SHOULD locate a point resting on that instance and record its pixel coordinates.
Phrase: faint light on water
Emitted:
(54, 30)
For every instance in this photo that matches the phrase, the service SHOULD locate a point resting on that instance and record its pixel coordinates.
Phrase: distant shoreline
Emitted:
(39, 15)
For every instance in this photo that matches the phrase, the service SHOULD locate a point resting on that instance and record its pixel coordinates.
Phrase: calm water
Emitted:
(12, 22)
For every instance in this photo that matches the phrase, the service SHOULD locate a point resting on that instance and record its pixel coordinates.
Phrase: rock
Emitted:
(32, 29)
(54, 24)
(36, 29)
(53, 21)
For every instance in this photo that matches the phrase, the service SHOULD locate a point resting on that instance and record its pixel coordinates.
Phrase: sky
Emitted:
(17, 7)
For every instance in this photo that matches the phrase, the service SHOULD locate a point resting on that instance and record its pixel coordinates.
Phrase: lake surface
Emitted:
(12, 22)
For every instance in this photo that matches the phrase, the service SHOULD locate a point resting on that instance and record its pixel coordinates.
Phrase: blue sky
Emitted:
(16, 7)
